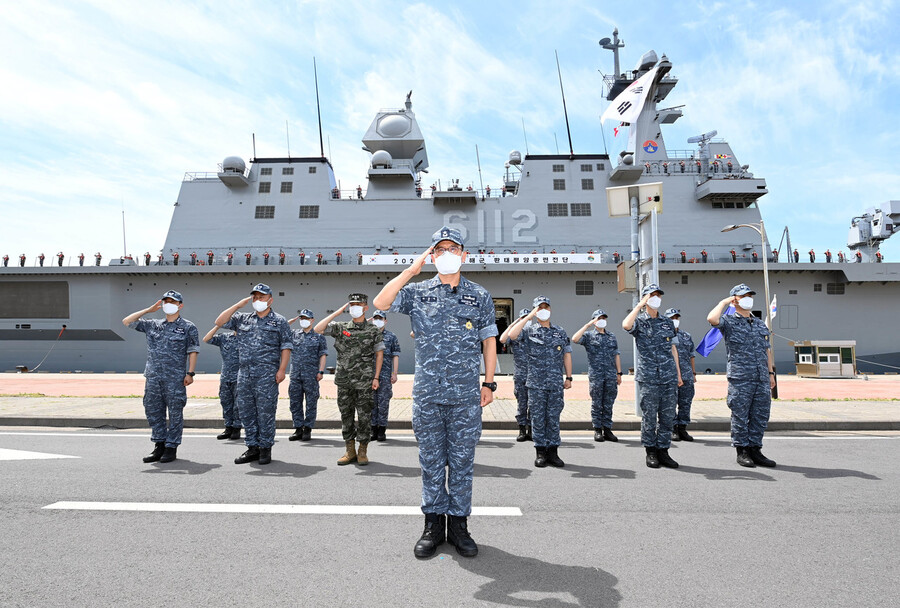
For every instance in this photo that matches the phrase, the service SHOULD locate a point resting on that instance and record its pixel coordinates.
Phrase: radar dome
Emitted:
(515, 157)
(381, 158)
(628, 159)
(234, 163)
(395, 125)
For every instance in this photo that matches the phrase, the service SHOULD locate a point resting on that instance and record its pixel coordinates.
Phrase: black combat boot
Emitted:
(298, 434)
(598, 435)
(265, 455)
(458, 536)
(226, 434)
(676, 436)
(743, 457)
(522, 436)
(235, 432)
(553, 458)
(157, 452)
(683, 434)
(758, 458)
(307, 434)
(169, 454)
(652, 458)
(608, 434)
(528, 436)
(374, 436)
(381, 434)
(250, 455)
(541, 460)
(665, 460)
(432, 536)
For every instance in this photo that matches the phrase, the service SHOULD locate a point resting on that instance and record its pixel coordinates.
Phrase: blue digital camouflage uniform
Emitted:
(657, 379)
(308, 348)
(260, 342)
(602, 349)
(355, 345)
(546, 375)
(168, 346)
(684, 344)
(449, 325)
(749, 391)
(228, 348)
(385, 388)
(519, 349)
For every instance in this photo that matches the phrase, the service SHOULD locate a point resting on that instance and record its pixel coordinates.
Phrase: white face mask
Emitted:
(356, 311)
(676, 322)
(169, 308)
(448, 263)
(304, 323)
(654, 302)
(746, 302)
(378, 322)
(543, 314)
(600, 323)
(260, 305)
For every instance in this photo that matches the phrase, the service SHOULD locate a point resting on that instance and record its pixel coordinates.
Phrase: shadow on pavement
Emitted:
(182, 467)
(735, 474)
(510, 443)
(583, 472)
(526, 581)
(284, 469)
(380, 469)
(486, 470)
(814, 473)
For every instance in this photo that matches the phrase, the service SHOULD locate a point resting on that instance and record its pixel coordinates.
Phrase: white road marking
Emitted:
(578, 436)
(285, 509)
(6, 454)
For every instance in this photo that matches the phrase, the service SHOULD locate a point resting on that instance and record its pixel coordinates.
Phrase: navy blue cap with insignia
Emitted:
(380, 314)
(599, 313)
(174, 295)
(447, 234)
(524, 312)
(541, 300)
(673, 312)
(651, 288)
(261, 288)
(358, 297)
(741, 290)
(307, 313)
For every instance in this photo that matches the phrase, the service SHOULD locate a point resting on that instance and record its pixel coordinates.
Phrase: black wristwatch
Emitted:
(569, 378)
(191, 374)
(490, 385)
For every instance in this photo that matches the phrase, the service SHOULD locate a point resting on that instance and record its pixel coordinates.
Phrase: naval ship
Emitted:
(548, 229)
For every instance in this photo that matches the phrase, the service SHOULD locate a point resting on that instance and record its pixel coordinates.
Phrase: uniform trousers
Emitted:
(382, 404)
(603, 394)
(300, 388)
(658, 403)
(163, 395)
(750, 402)
(521, 394)
(355, 403)
(685, 399)
(228, 398)
(447, 436)
(257, 399)
(546, 406)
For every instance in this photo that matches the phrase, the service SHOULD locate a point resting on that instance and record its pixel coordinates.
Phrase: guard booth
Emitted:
(825, 358)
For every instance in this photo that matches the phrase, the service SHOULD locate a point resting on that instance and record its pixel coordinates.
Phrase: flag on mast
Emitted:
(774, 305)
(712, 337)
(628, 104)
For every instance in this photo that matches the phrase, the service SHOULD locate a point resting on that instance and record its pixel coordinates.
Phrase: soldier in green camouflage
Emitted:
(360, 350)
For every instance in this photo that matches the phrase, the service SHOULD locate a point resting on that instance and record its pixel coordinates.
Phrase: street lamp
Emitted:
(761, 230)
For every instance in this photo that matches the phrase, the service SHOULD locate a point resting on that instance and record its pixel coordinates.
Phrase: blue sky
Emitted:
(104, 105)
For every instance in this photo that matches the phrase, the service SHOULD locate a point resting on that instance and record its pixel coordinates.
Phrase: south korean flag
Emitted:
(628, 105)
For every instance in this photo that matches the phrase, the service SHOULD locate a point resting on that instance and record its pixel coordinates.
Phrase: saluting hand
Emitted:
(245, 301)
(416, 267)
(156, 306)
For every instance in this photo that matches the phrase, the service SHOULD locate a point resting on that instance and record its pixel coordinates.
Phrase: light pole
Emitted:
(761, 230)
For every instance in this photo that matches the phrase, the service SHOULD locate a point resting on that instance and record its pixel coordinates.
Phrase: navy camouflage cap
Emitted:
(173, 295)
(741, 290)
(380, 314)
(524, 312)
(306, 313)
(673, 312)
(447, 234)
(358, 297)
(261, 288)
(651, 288)
(541, 300)
(599, 313)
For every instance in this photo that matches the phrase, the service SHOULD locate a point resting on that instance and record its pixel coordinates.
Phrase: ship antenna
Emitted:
(287, 133)
(565, 112)
(124, 245)
(254, 146)
(478, 159)
(525, 136)
(318, 109)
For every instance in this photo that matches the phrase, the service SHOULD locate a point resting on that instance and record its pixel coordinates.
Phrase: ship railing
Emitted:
(245, 172)
(192, 176)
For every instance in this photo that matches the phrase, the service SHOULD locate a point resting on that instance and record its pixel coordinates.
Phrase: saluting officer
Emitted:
(549, 373)
(389, 365)
(684, 345)
(228, 348)
(171, 343)
(519, 349)
(750, 372)
(604, 372)
(360, 351)
(307, 370)
(658, 377)
(452, 320)
(264, 351)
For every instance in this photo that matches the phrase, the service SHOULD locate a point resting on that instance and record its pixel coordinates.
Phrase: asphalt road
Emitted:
(819, 530)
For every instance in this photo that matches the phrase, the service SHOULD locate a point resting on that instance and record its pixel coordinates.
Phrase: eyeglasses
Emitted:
(454, 249)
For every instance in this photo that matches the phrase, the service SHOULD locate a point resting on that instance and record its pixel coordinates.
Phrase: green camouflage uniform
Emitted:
(355, 345)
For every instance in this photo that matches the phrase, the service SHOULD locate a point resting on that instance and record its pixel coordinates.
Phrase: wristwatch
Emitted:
(490, 385)
(618, 373)
(569, 378)
(322, 371)
(191, 374)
